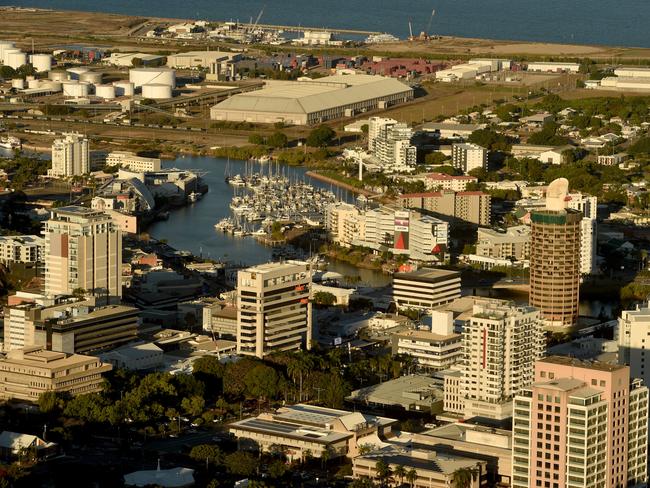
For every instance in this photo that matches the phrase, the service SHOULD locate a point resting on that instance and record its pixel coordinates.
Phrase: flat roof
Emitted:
(274, 266)
(428, 460)
(578, 363)
(396, 392)
(426, 335)
(290, 430)
(429, 275)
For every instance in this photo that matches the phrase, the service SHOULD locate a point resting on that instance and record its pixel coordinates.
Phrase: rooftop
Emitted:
(578, 363)
(421, 460)
(429, 275)
(425, 335)
(403, 391)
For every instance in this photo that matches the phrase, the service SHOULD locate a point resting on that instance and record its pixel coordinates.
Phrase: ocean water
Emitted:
(622, 22)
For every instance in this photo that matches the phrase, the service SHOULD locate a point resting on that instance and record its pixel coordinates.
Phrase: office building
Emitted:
(70, 156)
(303, 430)
(467, 156)
(432, 469)
(220, 320)
(581, 424)
(21, 249)
(469, 207)
(274, 308)
(83, 250)
(432, 350)
(28, 372)
(133, 162)
(501, 343)
(514, 243)
(425, 288)
(307, 102)
(555, 258)
(634, 341)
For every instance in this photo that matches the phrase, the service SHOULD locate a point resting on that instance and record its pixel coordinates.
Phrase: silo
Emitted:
(5, 45)
(93, 77)
(76, 72)
(41, 62)
(105, 91)
(75, 89)
(59, 75)
(156, 76)
(15, 59)
(156, 91)
(124, 88)
(18, 83)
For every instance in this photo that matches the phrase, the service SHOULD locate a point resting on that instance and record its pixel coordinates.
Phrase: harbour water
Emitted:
(566, 21)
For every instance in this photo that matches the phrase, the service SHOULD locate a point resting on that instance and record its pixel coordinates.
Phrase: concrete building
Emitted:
(70, 156)
(451, 130)
(26, 373)
(83, 250)
(473, 207)
(145, 356)
(501, 343)
(390, 143)
(612, 159)
(442, 181)
(274, 308)
(580, 424)
(633, 339)
(412, 393)
(514, 243)
(432, 350)
(220, 320)
(201, 59)
(554, 67)
(588, 206)
(426, 288)
(494, 446)
(21, 249)
(555, 258)
(133, 162)
(467, 157)
(307, 102)
(432, 469)
(301, 429)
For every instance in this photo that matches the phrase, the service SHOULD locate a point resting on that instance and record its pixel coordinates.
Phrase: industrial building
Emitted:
(306, 101)
(554, 67)
(201, 59)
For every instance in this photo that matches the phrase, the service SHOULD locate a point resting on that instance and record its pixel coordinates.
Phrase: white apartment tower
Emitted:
(634, 341)
(467, 157)
(70, 156)
(83, 249)
(274, 308)
(588, 205)
(501, 343)
(390, 142)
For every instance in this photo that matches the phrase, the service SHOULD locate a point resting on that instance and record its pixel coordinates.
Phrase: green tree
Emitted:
(400, 473)
(277, 140)
(383, 473)
(241, 463)
(262, 382)
(49, 401)
(463, 477)
(208, 452)
(256, 139)
(193, 405)
(277, 469)
(411, 477)
(324, 298)
(435, 157)
(321, 136)
(299, 365)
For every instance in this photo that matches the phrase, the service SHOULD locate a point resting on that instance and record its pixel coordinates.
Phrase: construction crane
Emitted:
(259, 16)
(428, 31)
(410, 31)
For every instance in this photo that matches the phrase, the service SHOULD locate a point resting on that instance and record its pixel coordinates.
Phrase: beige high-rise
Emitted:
(83, 249)
(273, 308)
(555, 258)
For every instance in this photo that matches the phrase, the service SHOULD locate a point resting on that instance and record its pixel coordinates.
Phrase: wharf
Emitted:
(340, 184)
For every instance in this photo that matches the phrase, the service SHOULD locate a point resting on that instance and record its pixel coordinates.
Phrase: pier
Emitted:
(340, 184)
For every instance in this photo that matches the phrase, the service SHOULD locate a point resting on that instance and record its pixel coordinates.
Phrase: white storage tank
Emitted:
(76, 72)
(54, 86)
(156, 76)
(156, 91)
(124, 88)
(91, 77)
(105, 91)
(76, 89)
(5, 45)
(18, 83)
(41, 62)
(15, 59)
(33, 83)
(59, 75)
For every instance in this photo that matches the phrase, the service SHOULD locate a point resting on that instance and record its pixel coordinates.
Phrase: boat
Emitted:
(260, 232)
(10, 142)
(237, 180)
(194, 197)
(264, 159)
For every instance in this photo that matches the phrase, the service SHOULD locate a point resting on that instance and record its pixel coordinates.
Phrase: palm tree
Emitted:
(463, 477)
(400, 473)
(411, 476)
(383, 472)
(299, 365)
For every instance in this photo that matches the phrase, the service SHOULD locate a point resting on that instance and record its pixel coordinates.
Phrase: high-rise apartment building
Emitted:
(580, 425)
(21, 249)
(70, 156)
(588, 205)
(514, 243)
(83, 250)
(634, 341)
(555, 258)
(501, 343)
(473, 207)
(390, 142)
(467, 156)
(274, 308)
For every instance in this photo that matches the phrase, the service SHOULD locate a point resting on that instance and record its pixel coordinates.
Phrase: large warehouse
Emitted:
(307, 102)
